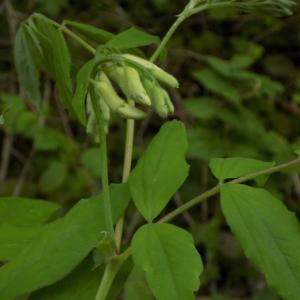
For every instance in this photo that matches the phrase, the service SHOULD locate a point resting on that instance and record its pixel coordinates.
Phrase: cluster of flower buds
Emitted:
(139, 82)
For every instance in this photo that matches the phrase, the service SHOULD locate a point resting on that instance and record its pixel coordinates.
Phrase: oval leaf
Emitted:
(132, 38)
(136, 287)
(160, 171)
(226, 168)
(168, 257)
(25, 212)
(269, 235)
(81, 284)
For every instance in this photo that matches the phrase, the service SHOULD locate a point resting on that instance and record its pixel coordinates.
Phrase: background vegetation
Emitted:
(239, 96)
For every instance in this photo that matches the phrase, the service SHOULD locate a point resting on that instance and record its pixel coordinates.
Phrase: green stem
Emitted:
(107, 279)
(82, 42)
(167, 37)
(67, 31)
(186, 13)
(110, 272)
(215, 190)
(126, 171)
(104, 168)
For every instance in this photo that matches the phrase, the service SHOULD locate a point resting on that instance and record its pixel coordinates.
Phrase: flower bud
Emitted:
(135, 87)
(131, 112)
(128, 79)
(114, 101)
(109, 95)
(157, 97)
(157, 72)
(168, 102)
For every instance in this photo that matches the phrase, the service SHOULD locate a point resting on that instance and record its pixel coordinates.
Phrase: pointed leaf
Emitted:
(13, 239)
(54, 176)
(160, 171)
(132, 38)
(28, 73)
(217, 84)
(25, 212)
(60, 247)
(234, 167)
(82, 81)
(81, 284)
(136, 287)
(56, 52)
(93, 33)
(269, 235)
(168, 257)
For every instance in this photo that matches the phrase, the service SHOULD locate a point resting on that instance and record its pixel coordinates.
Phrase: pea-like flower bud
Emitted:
(168, 102)
(157, 72)
(157, 96)
(114, 101)
(128, 79)
(131, 112)
(135, 87)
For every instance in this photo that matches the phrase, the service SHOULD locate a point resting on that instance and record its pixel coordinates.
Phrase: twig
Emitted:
(186, 215)
(215, 190)
(5, 155)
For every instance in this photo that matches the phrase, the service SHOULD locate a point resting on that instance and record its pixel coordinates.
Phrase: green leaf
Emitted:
(58, 61)
(132, 38)
(136, 287)
(217, 84)
(269, 235)
(93, 33)
(54, 176)
(81, 284)
(25, 212)
(47, 139)
(234, 167)
(28, 73)
(60, 247)
(82, 81)
(13, 239)
(160, 171)
(168, 257)
(229, 68)
(297, 151)
(92, 161)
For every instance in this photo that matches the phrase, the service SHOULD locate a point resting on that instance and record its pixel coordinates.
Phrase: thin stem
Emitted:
(104, 168)
(110, 272)
(5, 155)
(167, 37)
(126, 171)
(217, 188)
(128, 149)
(86, 45)
(67, 31)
